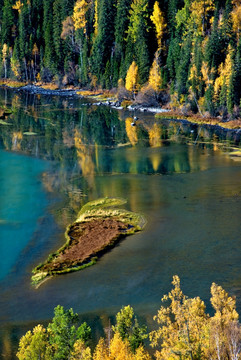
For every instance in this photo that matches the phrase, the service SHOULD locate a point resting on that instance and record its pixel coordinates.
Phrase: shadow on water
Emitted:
(57, 154)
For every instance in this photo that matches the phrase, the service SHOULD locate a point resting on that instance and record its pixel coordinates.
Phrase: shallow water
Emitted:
(190, 195)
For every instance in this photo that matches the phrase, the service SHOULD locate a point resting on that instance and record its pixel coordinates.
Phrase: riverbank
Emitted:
(98, 227)
(106, 98)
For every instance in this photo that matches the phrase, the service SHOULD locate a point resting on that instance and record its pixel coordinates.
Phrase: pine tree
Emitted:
(183, 68)
(104, 40)
(7, 22)
(137, 35)
(121, 26)
(49, 53)
(58, 18)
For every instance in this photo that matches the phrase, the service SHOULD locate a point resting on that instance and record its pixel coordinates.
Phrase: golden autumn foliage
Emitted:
(200, 12)
(206, 74)
(79, 14)
(96, 18)
(155, 79)
(182, 325)
(18, 6)
(119, 349)
(84, 155)
(132, 78)
(158, 20)
(80, 351)
(236, 18)
(225, 73)
(131, 131)
(155, 136)
(185, 331)
(101, 351)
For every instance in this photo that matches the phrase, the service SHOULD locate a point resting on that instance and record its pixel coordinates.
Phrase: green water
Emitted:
(184, 179)
(20, 208)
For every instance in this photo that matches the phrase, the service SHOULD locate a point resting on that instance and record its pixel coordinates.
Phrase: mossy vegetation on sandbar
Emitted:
(98, 226)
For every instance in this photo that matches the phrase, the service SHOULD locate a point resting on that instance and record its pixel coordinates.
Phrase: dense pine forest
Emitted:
(182, 53)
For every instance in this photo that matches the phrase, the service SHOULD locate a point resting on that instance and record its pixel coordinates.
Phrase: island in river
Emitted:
(97, 228)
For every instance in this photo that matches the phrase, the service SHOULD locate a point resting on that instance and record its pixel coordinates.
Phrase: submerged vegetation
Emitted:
(97, 227)
(184, 331)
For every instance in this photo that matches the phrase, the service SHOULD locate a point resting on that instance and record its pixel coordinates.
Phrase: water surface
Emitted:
(181, 177)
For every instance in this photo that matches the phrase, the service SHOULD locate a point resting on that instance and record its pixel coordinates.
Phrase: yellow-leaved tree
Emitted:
(183, 326)
(120, 349)
(187, 332)
(80, 351)
(224, 328)
(222, 84)
(132, 78)
(155, 78)
(101, 351)
(35, 345)
(201, 11)
(4, 57)
(158, 20)
(79, 14)
(236, 17)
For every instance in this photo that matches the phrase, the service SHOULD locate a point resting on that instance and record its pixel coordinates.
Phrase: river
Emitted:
(58, 153)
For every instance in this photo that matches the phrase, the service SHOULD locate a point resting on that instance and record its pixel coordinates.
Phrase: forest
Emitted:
(185, 331)
(181, 54)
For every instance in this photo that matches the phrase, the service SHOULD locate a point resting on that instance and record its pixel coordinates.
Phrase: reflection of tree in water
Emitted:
(155, 135)
(84, 156)
(16, 140)
(82, 141)
(131, 131)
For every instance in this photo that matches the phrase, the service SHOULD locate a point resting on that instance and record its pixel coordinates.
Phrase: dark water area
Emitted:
(56, 154)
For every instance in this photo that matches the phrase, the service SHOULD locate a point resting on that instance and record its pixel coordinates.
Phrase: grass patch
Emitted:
(101, 209)
(12, 83)
(197, 119)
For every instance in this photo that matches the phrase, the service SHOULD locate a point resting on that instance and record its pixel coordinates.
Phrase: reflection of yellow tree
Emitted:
(155, 134)
(131, 132)
(16, 140)
(84, 155)
(156, 159)
(15, 102)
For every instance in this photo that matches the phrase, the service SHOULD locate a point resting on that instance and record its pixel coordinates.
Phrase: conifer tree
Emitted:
(183, 68)
(49, 53)
(121, 26)
(103, 42)
(7, 22)
(137, 35)
(58, 18)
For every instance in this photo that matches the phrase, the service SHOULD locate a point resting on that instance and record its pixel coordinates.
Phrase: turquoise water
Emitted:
(183, 178)
(22, 202)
